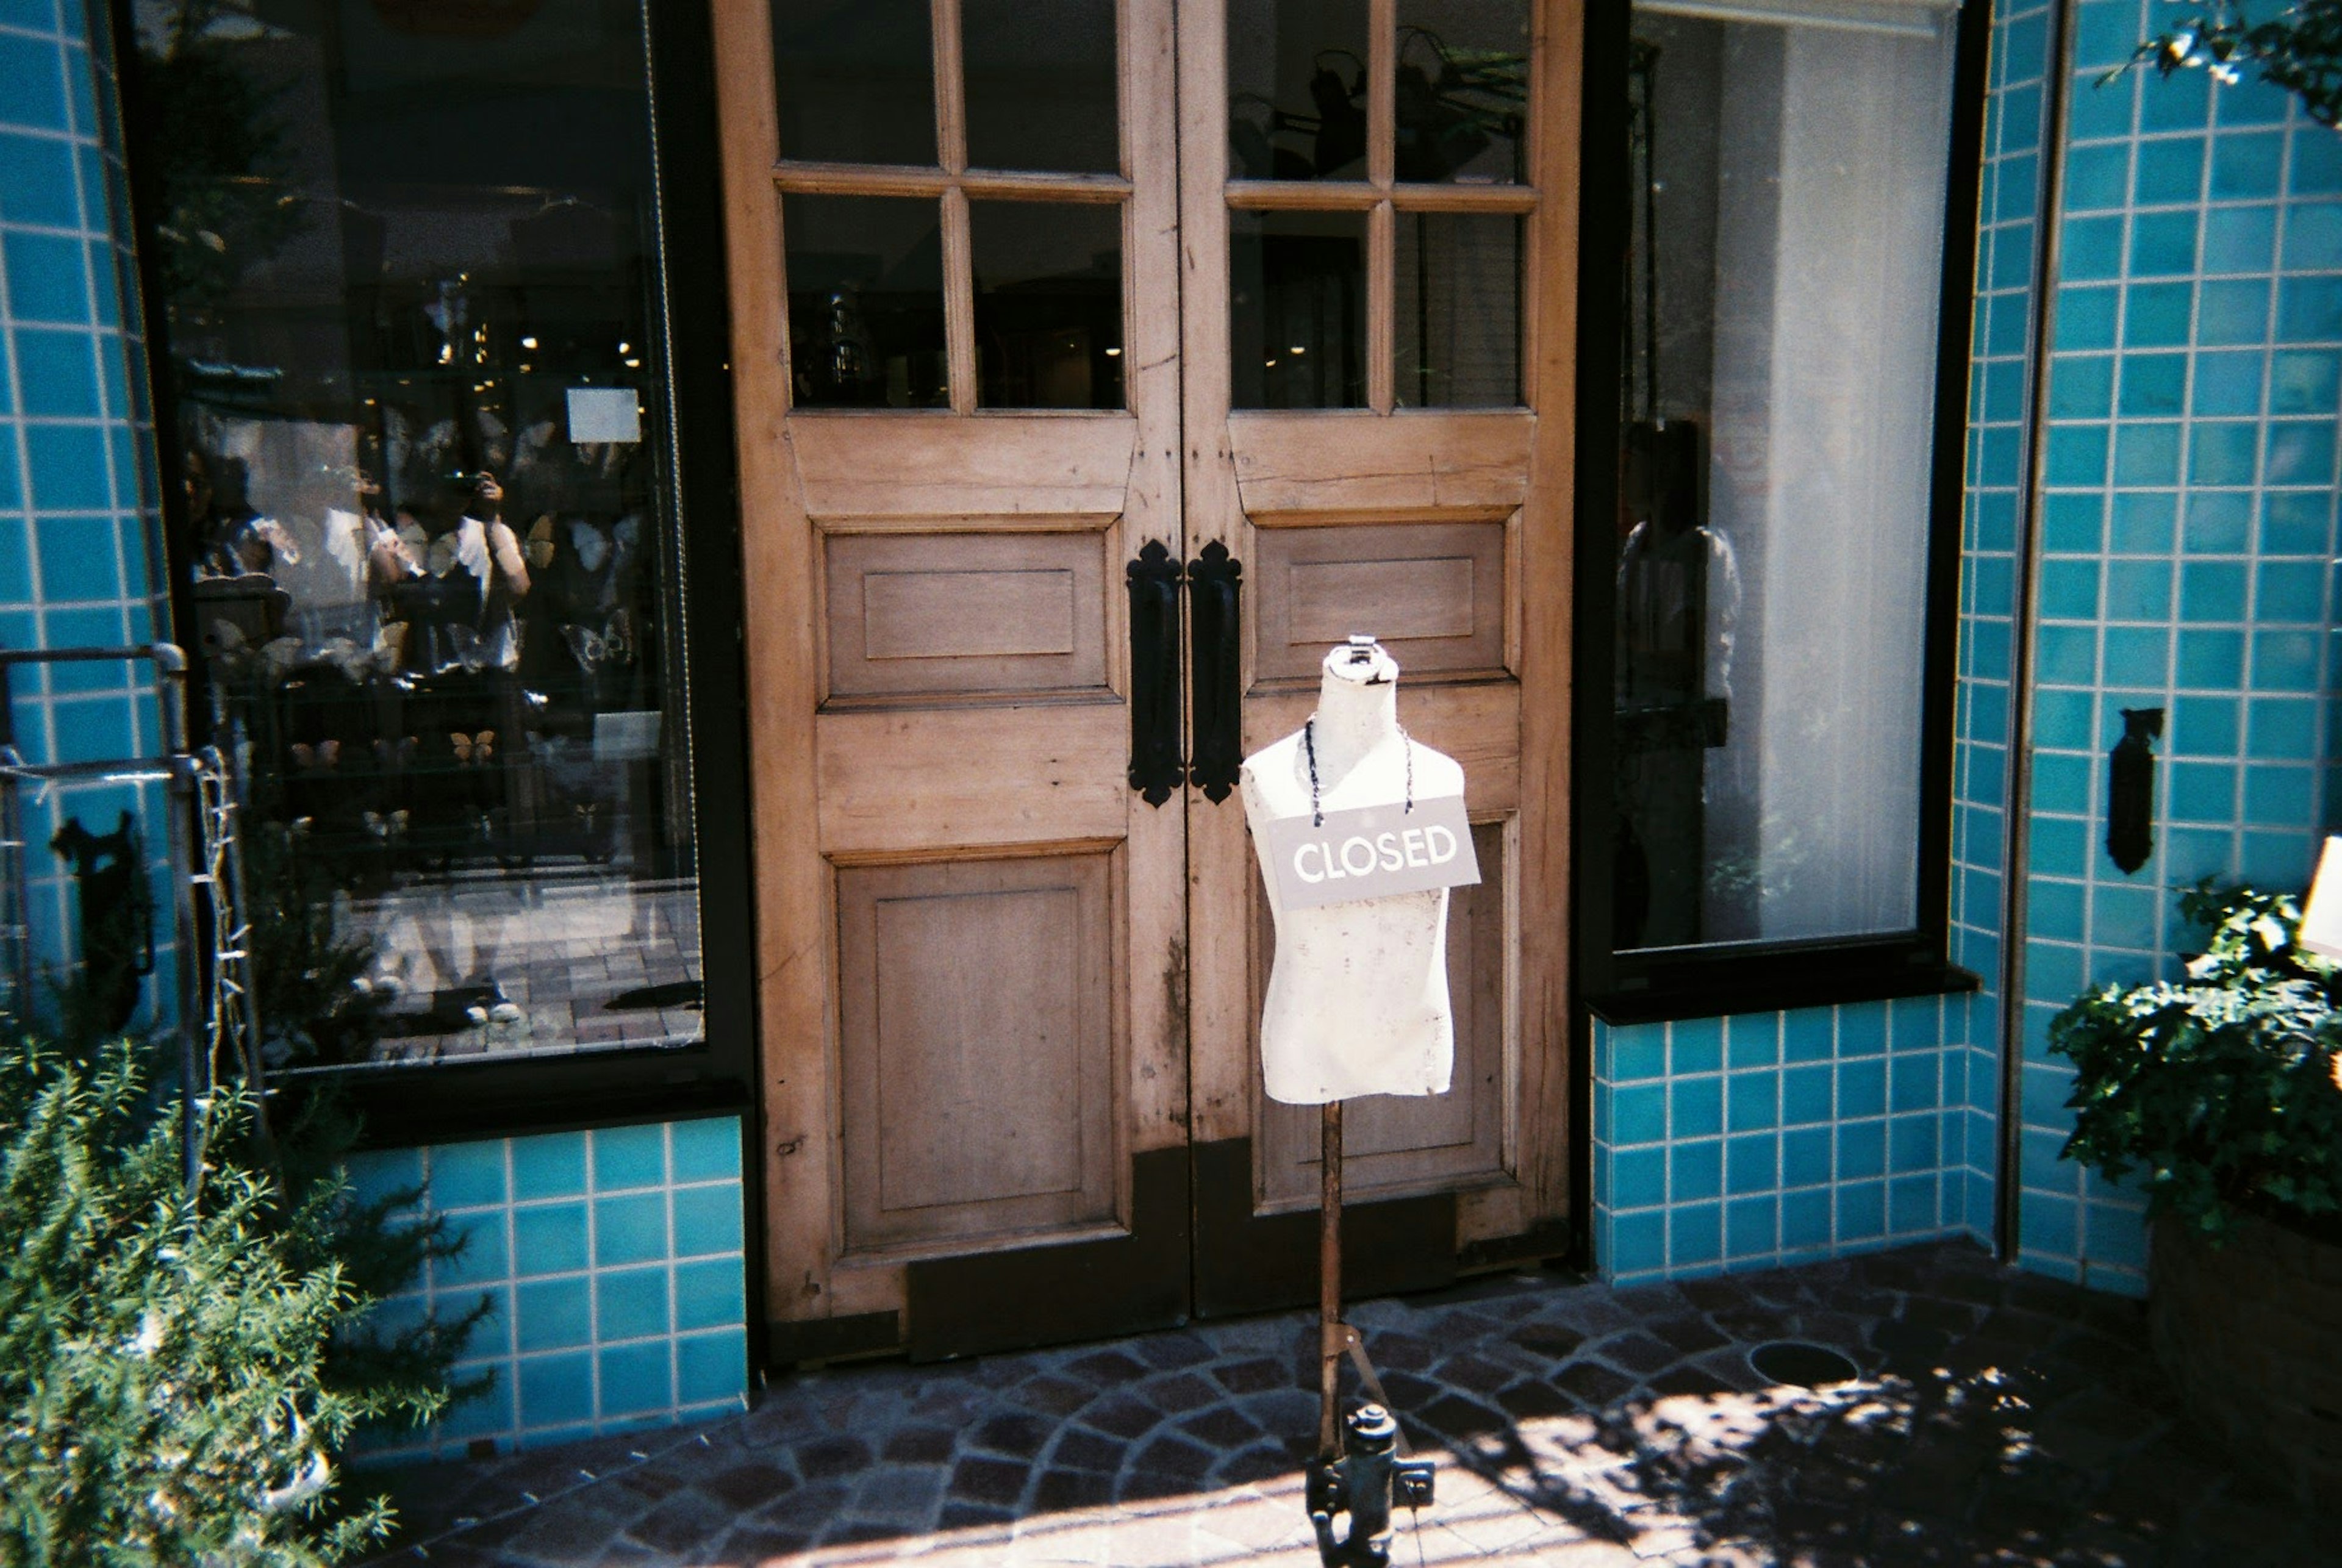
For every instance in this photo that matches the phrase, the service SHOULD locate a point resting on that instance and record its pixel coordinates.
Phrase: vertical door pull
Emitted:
(1215, 705)
(1153, 583)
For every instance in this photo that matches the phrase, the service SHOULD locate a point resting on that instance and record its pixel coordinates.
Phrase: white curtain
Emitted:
(1831, 155)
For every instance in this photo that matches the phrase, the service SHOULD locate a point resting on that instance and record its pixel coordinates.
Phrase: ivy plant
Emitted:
(2221, 1087)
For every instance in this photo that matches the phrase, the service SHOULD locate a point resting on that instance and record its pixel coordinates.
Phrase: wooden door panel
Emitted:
(909, 465)
(958, 615)
(1354, 463)
(978, 1051)
(1396, 1144)
(914, 781)
(1433, 593)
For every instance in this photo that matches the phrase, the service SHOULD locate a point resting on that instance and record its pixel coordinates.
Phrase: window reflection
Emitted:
(1462, 91)
(1049, 305)
(1297, 89)
(866, 302)
(1456, 296)
(1777, 419)
(411, 287)
(855, 80)
(1298, 309)
(1039, 81)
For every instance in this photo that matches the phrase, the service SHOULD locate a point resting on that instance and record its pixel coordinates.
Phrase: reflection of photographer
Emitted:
(1678, 602)
(463, 577)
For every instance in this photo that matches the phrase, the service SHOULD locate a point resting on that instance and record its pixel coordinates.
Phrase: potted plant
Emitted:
(2225, 1089)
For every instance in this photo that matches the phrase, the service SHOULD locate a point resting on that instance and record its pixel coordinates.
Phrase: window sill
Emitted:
(1662, 988)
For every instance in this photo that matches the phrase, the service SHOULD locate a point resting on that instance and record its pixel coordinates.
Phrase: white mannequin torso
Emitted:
(1357, 998)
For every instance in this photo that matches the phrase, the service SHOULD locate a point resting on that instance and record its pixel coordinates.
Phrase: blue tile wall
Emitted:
(1768, 1138)
(616, 1263)
(79, 523)
(2188, 529)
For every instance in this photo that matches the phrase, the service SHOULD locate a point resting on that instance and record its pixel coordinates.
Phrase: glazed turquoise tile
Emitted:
(1913, 1204)
(631, 1303)
(551, 1165)
(2206, 726)
(1639, 1113)
(2153, 384)
(2212, 589)
(2138, 590)
(1752, 1163)
(549, 1239)
(1753, 1100)
(2157, 314)
(2285, 661)
(1753, 1040)
(1695, 1107)
(1639, 1052)
(2049, 1222)
(2073, 523)
(1752, 1228)
(1638, 1178)
(1807, 1158)
(2059, 846)
(2211, 660)
(706, 1150)
(2085, 319)
(710, 1294)
(1639, 1242)
(629, 1229)
(2289, 591)
(707, 1220)
(2138, 656)
(2240, 239)
(2314, 168)
(1696, 1045)
(627, 1157)
(468, 1175)
(2305, 381)
(2146, 454)
(2246, 168)
(2097, 177)
(1861, 1211)
(2278, 793)
(2067, 655)
(2230, 312)
(553, 1314)
(2309, 309)
(2163, 243)
(711, 1367)
(2090, 250)
(1809, 1036)
(1694, 1170)
(485, 1255)
(2077, 454)
(2301, 452)
(1806, 1094)
(2201, 791)
(2061, 782)
(1695, 1234)
(2068, 590)
(2283, 729)
(635, 1379)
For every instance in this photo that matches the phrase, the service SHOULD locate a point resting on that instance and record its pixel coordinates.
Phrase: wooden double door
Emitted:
(1098, 365)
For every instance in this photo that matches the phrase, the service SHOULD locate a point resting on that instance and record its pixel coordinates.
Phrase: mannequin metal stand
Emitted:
(1375, 1472)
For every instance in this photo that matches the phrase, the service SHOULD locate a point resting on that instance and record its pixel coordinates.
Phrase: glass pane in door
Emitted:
(1040, 84)
(1297, 90)
(1298, 309)
(1049, 305)
(866, 302)
(1458, 299)
(856, 81)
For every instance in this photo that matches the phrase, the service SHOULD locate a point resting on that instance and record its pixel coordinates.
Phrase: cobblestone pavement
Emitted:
(2000, 1418)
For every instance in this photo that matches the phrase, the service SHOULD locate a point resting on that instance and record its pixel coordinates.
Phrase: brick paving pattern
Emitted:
(2000, 1418)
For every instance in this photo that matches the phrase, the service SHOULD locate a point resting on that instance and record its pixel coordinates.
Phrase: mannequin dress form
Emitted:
(1357, 998)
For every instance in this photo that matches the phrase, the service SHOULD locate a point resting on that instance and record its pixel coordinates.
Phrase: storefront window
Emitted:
(1788, 175)
(411, 297)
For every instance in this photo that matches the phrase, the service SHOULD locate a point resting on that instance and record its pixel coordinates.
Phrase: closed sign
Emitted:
(1372, 851)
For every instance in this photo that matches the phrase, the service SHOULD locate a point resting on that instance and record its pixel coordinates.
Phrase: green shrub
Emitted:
(2221, 1087)
(168, 1356)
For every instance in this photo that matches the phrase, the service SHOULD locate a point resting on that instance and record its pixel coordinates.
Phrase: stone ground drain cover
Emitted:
(1793, 1361)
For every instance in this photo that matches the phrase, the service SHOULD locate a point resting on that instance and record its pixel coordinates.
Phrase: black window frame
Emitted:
(1663, 983)
(409, 1104)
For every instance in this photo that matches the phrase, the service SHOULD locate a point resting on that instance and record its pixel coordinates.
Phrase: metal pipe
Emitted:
(1329, 1278)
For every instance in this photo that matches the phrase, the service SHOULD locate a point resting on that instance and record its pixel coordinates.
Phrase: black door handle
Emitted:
(1154, 583)
(1216, 717)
